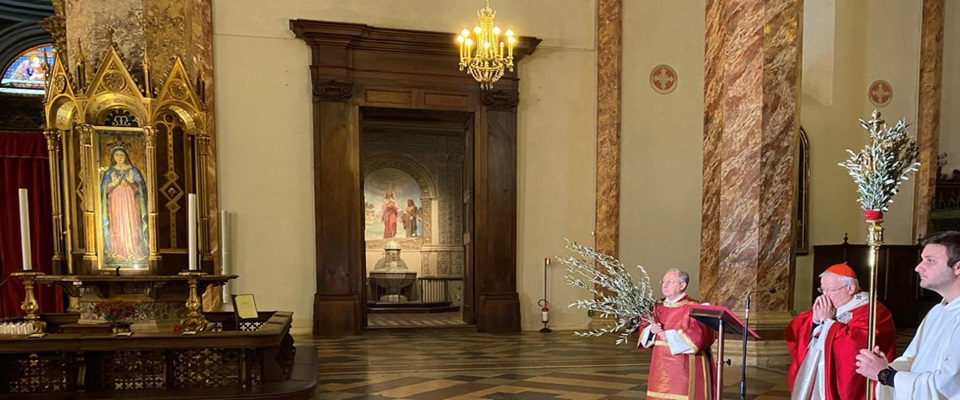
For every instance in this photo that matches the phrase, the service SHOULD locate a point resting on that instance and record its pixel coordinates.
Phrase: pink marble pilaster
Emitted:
(609, 51)
(202, 50)
(751, 119)
(928, 119)
(712, 134)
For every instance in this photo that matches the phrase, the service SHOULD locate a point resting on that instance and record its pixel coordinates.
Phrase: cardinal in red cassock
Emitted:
(825, 340)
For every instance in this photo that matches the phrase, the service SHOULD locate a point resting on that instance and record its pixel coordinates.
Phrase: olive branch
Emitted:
(614, 292)
(883, 164)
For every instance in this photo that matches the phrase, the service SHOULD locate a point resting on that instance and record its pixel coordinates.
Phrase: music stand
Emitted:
(721, 320)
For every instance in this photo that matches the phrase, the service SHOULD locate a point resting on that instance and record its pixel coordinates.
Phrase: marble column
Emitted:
(609, 51)
(609, 54)
(928, 121)
(751, 122)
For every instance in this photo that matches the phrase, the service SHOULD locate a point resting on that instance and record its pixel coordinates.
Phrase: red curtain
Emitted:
(24, 163)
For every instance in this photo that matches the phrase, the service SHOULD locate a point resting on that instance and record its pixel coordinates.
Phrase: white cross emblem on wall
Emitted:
(880, 93)
(663, 79)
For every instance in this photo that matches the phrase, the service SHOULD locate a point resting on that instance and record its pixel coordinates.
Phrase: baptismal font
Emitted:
(391, 275)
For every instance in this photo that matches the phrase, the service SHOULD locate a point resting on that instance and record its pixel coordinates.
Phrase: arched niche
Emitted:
(415, 170)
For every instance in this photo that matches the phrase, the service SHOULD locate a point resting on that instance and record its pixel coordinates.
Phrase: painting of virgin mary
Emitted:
(124, 215)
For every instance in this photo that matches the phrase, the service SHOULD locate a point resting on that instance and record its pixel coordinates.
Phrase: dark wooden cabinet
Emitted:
(898, 286)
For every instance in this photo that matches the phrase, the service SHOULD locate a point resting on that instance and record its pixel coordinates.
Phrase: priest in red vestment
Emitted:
(825, 340)
(681, 366)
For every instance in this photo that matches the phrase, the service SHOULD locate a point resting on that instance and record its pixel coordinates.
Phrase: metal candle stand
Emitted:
(30, 304)
(194, 321)
(874, 240)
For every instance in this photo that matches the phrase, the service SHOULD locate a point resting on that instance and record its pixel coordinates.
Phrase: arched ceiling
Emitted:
(20, 28)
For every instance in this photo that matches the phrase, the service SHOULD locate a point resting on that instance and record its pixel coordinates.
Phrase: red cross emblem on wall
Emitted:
(663, 79)
(880, 93)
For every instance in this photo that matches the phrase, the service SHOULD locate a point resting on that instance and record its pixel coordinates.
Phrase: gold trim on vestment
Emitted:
(679, 304)
(669, 396)
(707, 376)
(688, 341)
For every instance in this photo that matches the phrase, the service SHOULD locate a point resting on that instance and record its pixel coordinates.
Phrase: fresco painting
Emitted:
(392, 206)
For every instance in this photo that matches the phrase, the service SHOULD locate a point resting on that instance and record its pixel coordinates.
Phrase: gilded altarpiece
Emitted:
(124, 156)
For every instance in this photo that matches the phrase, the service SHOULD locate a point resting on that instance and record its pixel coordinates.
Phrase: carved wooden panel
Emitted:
(126, 370)
(209, 368)
(389, 98)
(38, 373)
(446, 100)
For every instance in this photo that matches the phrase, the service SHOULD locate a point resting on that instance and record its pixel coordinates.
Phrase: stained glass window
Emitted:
(27, 73)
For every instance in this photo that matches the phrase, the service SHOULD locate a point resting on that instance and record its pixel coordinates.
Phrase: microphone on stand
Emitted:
(746, 328)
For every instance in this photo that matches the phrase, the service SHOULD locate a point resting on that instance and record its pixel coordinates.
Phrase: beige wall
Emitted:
(870, 40)
(264, 134)
(893, 54)
(950, 101)
(557, 184)
(662, 139)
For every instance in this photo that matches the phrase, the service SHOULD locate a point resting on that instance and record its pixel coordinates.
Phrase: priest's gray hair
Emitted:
(681, 275)
(844, 280)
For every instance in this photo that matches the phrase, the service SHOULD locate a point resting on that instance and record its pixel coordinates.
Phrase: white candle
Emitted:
(224, 240)
(25, 230)
(192, 230)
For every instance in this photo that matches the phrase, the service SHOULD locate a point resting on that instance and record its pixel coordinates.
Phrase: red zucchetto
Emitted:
(842, 270)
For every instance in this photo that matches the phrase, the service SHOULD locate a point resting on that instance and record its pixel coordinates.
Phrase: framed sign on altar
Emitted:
(122, 198)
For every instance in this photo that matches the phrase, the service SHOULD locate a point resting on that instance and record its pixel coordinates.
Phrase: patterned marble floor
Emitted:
(415, 320)
(427, 365)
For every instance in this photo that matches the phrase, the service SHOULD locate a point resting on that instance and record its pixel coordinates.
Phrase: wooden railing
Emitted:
(431, 289)
(229, 361)
(436, 289)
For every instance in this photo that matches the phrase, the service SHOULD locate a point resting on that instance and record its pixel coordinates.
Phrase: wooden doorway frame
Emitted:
(355, 66)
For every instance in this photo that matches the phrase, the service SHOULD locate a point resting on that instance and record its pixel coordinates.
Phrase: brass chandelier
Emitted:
(487, 61)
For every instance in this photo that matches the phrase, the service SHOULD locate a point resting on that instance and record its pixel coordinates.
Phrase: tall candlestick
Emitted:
(225, 253)
(192, 230)
(25, 230)
(224, 240)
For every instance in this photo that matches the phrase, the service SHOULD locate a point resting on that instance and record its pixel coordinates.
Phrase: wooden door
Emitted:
(469, 310)
(359, 65)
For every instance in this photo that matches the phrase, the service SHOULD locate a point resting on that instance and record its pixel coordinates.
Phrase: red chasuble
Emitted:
(843, 342)
(679, 376)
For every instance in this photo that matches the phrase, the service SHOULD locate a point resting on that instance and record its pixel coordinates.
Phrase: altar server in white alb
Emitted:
(930, 367)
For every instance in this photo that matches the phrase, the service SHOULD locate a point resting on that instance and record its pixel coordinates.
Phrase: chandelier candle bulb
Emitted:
(25, 230)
